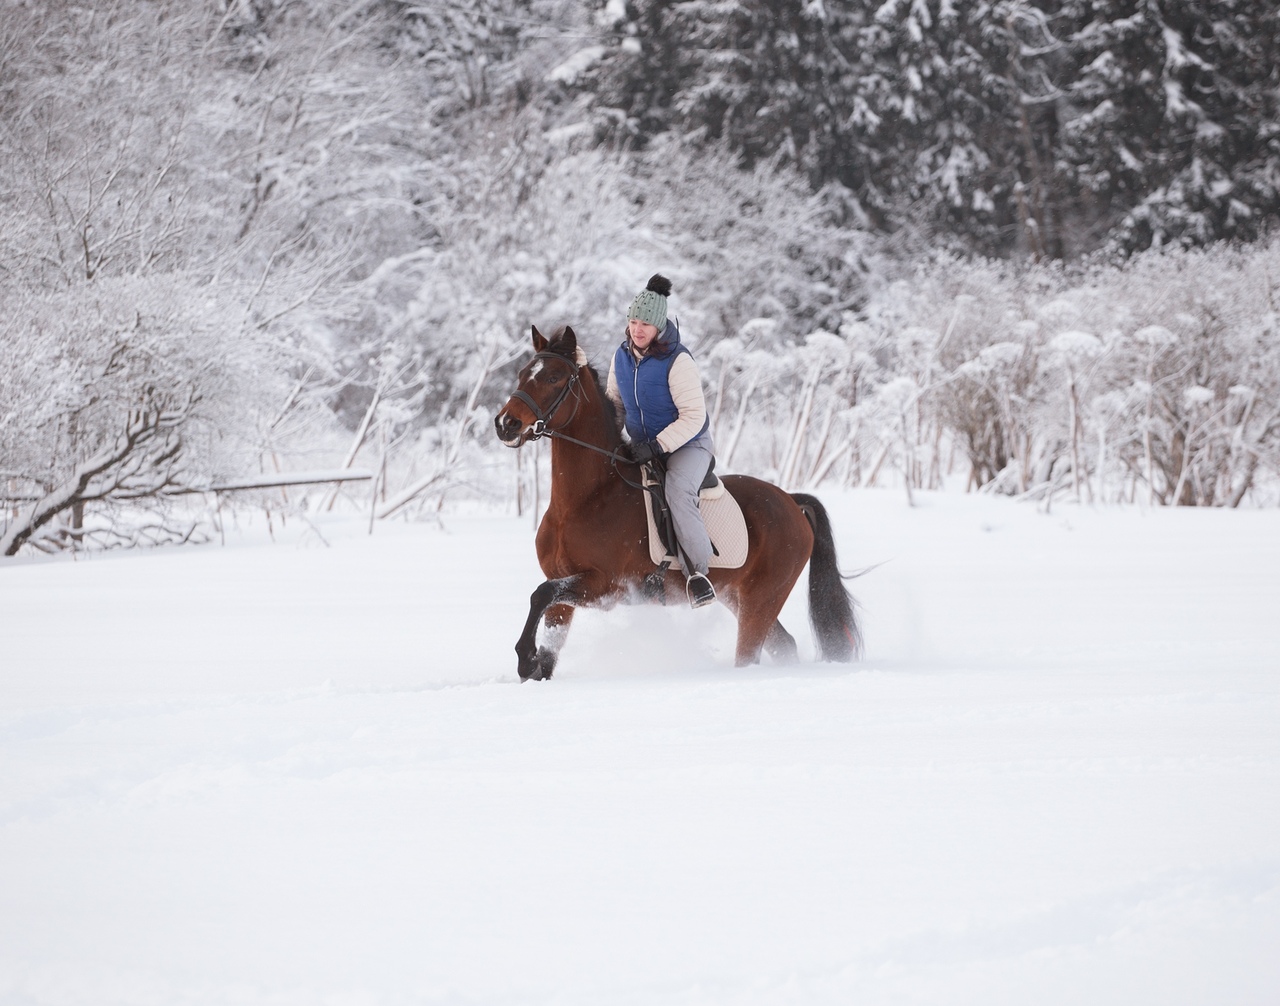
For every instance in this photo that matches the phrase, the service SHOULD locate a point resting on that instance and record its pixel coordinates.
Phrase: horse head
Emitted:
(547, 389)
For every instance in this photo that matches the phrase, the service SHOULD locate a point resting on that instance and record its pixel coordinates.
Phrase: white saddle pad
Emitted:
(725, 524)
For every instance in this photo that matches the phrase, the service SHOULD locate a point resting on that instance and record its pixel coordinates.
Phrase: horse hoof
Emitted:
(540, 667)
(545, 664)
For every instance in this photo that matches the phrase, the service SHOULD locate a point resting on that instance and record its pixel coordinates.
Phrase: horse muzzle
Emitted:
(511, 431)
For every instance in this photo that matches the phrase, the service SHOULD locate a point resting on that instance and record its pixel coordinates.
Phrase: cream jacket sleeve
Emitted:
(686, 392)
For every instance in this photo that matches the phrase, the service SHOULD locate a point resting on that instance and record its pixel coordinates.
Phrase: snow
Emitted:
(576, 65)
(290, 773)
(1155, 336)
(1076, 345)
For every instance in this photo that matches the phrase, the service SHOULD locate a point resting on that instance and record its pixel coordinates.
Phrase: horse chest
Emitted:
(592, 535)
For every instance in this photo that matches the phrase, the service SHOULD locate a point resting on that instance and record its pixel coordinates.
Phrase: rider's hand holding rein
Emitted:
(641, 453)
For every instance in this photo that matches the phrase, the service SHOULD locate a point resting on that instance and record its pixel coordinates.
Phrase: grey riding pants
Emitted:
(686, 468)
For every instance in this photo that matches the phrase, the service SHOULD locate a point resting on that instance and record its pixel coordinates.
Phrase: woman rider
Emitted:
(656, 383)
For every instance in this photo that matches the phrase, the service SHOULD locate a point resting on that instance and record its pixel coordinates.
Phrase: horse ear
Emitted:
(568, 341)
(539, 343)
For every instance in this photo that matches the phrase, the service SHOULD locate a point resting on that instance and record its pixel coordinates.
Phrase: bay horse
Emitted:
(592, 542)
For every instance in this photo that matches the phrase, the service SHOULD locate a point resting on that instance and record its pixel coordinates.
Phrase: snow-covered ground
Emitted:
(294, 773)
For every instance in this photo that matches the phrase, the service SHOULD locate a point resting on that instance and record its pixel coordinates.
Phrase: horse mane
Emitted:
(579, 358)
(610, 408)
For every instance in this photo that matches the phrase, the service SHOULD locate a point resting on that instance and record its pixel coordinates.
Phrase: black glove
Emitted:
(640, 452)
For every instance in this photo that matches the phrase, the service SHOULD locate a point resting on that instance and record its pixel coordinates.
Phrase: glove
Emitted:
(640, 452)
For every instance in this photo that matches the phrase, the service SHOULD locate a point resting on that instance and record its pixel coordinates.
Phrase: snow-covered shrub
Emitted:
(126, 390)
(1156, 379)
(189, 192)
(1200, 353)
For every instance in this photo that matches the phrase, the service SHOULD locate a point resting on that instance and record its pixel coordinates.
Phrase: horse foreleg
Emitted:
(548, 599)
(555, 625)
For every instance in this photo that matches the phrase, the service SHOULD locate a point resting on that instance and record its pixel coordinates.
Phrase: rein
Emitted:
(611, 455)
(540, 428)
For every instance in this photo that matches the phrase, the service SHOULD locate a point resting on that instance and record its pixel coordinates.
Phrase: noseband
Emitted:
(541, 418)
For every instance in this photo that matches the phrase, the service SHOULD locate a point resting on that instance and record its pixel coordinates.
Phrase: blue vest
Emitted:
(644, 385)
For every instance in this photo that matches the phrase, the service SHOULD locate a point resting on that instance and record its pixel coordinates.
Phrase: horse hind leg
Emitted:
(753, 630)
(759, 631)
(781, 645)
(759, 628)
(757, 599)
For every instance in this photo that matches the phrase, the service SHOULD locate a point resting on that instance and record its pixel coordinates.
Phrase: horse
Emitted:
(592, 541)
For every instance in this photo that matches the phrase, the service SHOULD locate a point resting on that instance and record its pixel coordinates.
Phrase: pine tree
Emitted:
(1175, 136)
(1046, 127)
(924, 110)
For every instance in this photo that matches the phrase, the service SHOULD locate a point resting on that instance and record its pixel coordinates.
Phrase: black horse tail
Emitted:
(832, 609)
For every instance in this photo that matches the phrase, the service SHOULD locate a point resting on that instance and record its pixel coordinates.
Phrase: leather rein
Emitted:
(543, 417)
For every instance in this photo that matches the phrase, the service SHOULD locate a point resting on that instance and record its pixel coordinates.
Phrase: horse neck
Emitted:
(577, 472)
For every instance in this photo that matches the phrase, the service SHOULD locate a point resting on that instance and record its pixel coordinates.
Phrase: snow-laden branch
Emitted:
(143, 460)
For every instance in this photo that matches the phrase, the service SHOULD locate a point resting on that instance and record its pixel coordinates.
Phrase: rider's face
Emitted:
(642, 333)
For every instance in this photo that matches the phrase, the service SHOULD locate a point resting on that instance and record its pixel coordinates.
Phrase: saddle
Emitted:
(721, 515)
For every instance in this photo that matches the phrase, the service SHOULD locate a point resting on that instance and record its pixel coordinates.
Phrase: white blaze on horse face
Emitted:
(535, 370)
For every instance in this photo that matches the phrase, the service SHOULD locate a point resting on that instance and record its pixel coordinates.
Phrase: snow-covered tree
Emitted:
(182, 181)
(1172, 134)
(1042, 127)
(128, 389)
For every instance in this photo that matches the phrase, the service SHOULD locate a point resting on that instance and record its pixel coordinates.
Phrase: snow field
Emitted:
(296, 774)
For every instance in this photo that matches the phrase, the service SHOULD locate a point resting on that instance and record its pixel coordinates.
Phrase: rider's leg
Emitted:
(686, 468)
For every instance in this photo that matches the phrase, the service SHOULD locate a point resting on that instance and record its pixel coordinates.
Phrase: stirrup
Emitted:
(654, 587)
(700, 591)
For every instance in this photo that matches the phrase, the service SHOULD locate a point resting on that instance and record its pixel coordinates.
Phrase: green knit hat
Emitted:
(650, 304)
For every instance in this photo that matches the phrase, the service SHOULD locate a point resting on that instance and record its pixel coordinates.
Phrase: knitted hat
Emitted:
(650, 304)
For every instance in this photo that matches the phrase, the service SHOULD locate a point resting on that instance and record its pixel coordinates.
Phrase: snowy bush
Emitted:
(1157, 380)
(189, 192)
(121, 391)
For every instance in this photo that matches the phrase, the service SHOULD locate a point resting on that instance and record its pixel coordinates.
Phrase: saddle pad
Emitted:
(725, 525)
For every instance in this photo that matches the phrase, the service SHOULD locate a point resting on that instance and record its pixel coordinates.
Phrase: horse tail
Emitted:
(832, 609)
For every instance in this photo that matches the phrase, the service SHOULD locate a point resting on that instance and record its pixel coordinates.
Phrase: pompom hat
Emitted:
(650, 305)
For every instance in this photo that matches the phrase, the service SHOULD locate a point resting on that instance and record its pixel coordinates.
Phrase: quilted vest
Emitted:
(644, 387)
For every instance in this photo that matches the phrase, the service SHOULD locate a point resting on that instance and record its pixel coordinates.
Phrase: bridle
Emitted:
(542, 417)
